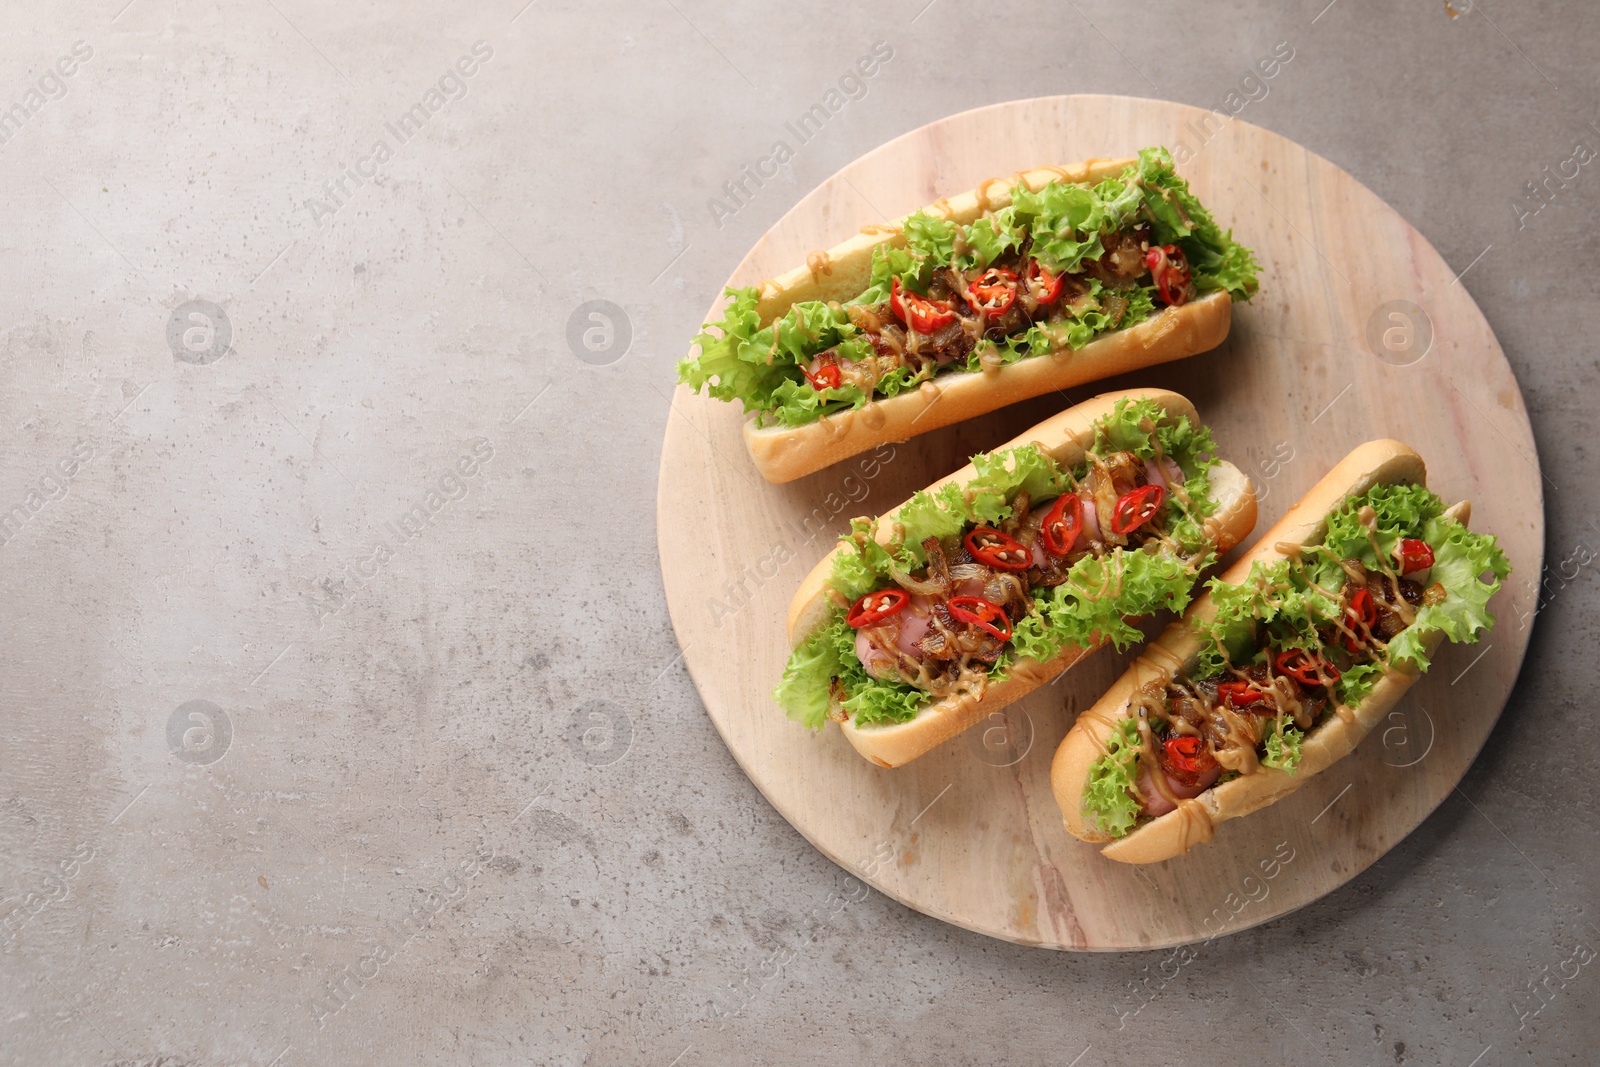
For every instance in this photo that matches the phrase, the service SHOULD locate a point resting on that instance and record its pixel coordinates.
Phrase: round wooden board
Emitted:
(970, 832)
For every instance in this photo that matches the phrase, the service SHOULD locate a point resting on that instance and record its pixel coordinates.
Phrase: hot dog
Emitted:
(1055, 277)
(1284, 665)
(996, 579)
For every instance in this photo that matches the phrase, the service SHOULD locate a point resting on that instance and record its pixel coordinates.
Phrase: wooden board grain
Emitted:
(1329, 354)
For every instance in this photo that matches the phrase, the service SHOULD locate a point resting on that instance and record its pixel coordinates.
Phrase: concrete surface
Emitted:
(448, 795)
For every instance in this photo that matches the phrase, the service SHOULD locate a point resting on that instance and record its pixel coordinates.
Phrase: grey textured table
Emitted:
(343, 720)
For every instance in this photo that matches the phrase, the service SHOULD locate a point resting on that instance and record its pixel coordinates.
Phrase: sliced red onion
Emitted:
(1163, 472)
(903, 630)
(878, 663)
(915, 619)
(1041, 558)
(1091, 519)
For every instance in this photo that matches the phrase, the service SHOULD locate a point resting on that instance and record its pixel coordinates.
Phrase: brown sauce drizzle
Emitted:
(981, 194)
(818, 263)
(1196, 826)
(1147, 747)
(1407, 613)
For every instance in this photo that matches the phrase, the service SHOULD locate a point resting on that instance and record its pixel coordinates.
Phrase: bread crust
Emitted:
(1065, 437)
(1195, 820)
(783, 454)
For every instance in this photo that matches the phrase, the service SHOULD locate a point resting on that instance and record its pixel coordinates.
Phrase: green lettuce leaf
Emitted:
(760, 366)
(1000, 476)
(828, 654)
(1398, 510)
(1122, 198)
(732, 364)
(940, 513)
(860, 563)
(1079, 613)
(1232, 267)
(1275, 597)
(1283, 745)
(990, 237)
(803, 691)
(930, 238)
(1179, 218)
(1141, 305)
(809, 327)
(1469, 566)
(877, 703)
(1108, 803)
(1356, 682)
(1460, 559)
(889, 263)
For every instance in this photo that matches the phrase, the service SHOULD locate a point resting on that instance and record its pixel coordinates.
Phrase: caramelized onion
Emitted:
(937, 583)
(1020, 506)
(1002, 588)
(938, 562)
(868, 316)
(929, 586)
(965, 572)
(1115, 308)
(1105, 499)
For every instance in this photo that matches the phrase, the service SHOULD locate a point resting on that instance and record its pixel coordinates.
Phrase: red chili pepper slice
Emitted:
(1240, 694)
(827, 375)
(998, 550)
(1169, 268)
(993, 292)
(1305, 668)
(918, 312)
(1136, 507)
(1360, 614)
(983, 614)
(1062, 524)
(1187, 754)
(1046, 287)
(875, 607)
(1415, 555)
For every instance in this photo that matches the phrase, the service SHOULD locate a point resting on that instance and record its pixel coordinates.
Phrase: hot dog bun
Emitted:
(1374, 463)
(1065, 437)
(784, 454)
